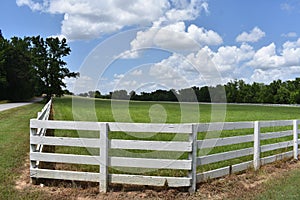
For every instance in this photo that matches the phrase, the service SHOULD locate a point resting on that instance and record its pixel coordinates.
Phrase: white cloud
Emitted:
(254, 35)
(286, 7)
(291, 53)
(184, 10)
(289, 34)
(137, 72)
(203, 36)
(266, 57)
(228, 57)
(267, 76)
(31, 4)
(83, 84)
(89, 19)
(169, 70)
(173, 37)
(118, 76)
(210, 67)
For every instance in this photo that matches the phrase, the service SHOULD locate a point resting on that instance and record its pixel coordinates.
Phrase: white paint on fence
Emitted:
(256, 146)
(191, 147)
(295, 139)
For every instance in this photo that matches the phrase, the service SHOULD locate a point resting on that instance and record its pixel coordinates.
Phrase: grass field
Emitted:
(139, 111)
(287, 187)
(106, 111)
(14, 148)
(14, 141)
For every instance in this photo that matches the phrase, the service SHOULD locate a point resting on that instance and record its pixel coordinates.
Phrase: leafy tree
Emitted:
(3, 80)
(120, 94)
(20, 75)
(231, 89)
(49, 64)
(187, 95)
(97, 94)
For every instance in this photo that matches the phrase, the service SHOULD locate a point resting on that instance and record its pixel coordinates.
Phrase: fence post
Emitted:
(33, 163)
(256, 147)
(103, 182)
(193, 158)
(295, 133)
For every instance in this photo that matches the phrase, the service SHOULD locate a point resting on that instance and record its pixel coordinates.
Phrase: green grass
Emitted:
(14, 148)
(4, 101)
(285, 188)
(169, 112)
(14, 140)
(139, 111)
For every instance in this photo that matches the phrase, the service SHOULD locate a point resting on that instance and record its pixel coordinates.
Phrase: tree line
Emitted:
(32, 66)
(236, 91)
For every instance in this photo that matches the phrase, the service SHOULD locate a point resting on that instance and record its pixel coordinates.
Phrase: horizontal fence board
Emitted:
(215, 142)
(276, 123)
(241, 166)
(151, 145)
(150, 163)
(66, 141)
(279, 145)
(276, 157)
(64, 175)
(224, 156)
(219, 126)
(224, 171)
(151, 128)
(149, 180)
(42, 124)
(65, 158)
(113, 178)
(65, 125)
(271, 135)
(204, 176)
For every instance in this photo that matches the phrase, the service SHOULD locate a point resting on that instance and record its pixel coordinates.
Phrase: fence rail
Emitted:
(191, 146)
(40, 132)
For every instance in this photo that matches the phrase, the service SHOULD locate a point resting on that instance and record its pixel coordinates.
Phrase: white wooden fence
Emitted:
(192, 146)
(43, 115)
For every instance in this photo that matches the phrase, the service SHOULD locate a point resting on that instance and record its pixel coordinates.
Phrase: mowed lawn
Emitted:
(14, 138)
(14, 148)
(169, 112)
(87, 109)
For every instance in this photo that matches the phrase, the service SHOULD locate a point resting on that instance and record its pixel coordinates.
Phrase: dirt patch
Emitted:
(24, 180)
(240, 185)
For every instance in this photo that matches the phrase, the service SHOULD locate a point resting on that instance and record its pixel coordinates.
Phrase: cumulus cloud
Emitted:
(289, 34)
(291, 53)
(204, 67)
(232, 56)
(89, 19)
(266, 57)
(253, 36)
(137, 72)
(184, 10)
(31, 4)
(173, 72)
(207, 66)
(173, 37)
(267, 76)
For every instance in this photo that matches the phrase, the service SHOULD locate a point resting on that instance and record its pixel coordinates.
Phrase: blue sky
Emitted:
(146, 45)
